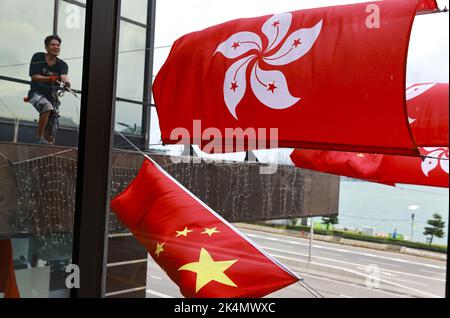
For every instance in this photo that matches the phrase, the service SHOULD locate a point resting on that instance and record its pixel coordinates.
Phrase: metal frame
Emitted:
(148, 73)
(55, 17)
(90, 238)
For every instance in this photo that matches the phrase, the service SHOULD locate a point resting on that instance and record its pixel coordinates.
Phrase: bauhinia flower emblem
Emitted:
(269, 86)
(435, 156)
(413, 91)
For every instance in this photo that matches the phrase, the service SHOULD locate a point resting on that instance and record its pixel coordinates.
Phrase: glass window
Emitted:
(134, 10)
(71, 30)
(11, 102)
(24, 25)
(128, 118)
(131, 62)
(38, 189)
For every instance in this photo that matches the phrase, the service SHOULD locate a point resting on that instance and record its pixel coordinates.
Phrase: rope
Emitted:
(80, 57)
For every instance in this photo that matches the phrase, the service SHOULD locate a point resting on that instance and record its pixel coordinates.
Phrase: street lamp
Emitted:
(412, 208)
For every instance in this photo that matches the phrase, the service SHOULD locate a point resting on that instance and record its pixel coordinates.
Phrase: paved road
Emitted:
(411, 274)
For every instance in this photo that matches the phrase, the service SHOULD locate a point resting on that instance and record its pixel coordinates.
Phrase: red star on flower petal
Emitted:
(297, 43)
(271, 87)
(234, 85)
(235, 45)
(276, 23)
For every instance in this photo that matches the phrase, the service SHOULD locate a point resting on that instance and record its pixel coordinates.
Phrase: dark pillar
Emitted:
(95, 141)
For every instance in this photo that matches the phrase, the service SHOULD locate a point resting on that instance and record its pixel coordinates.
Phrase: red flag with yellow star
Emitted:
(200, 251)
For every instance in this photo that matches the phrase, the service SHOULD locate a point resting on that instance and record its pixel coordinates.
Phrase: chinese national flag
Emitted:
(428, 113)
(326, 78)
(429, 170)
(201, 252)
(8, 284)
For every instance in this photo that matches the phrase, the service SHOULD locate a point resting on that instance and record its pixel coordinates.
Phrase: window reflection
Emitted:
(24, 26)
(71, 30)
(134, 10)
(128, 118)
(131, 61)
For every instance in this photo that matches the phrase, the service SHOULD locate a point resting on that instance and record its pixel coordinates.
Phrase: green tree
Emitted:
(436, 227)
(327, 220)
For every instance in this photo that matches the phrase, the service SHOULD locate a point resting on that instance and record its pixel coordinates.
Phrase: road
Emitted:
(411, 275)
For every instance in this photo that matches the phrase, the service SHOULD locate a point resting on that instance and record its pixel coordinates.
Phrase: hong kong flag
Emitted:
(201, 252)
(428, 113)
(431, 169)
(428, 116)
(328, 78)
(8, 285)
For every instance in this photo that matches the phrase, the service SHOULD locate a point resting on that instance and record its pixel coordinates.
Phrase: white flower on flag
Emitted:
(269, 86)
(415, 90)
(433, 157)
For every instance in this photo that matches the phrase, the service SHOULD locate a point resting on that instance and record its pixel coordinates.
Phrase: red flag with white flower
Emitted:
(428, 116)
(200, 251)
(428, 113)
(431, 169)
(325, 78)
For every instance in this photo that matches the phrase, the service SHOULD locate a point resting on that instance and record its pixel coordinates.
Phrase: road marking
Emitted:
(158, 294)
(348, 263)
(350, 252)
(354, 285)
(377, 262)
(125, 291)
(155, 277)
(409, 281)
(136, 261)
(417, 291)
(432, 272)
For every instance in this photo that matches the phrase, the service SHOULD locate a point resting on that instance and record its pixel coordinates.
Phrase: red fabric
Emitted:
(387, 169)
(154, 207)
(349, 83)
(428, 113)
(427, 5)
(8, 284)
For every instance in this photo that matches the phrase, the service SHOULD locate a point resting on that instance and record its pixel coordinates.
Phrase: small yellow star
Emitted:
(208, 270)
(210, 231)
(184, 232)
(159, 248)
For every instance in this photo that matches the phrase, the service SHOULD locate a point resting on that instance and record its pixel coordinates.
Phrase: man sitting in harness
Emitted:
(46, 71)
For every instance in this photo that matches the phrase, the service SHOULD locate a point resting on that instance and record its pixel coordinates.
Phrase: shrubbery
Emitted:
(362, 237)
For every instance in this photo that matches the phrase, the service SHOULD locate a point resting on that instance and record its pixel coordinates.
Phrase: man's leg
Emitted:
(43, 120)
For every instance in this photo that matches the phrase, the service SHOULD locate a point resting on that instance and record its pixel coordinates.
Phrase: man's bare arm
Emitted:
(65, 79)
(42, 78)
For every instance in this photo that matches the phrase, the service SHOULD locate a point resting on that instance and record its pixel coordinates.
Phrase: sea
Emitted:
(383, 208)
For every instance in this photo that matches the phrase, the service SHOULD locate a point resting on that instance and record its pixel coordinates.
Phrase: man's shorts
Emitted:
(42, 104)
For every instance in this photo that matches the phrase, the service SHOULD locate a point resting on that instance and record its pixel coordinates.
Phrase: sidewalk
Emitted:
(350, 242)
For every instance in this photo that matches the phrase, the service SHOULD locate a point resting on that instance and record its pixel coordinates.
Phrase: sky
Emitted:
(428, 57)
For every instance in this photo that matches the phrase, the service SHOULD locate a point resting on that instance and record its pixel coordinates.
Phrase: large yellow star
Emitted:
(159, 248)
(184, 232)
(208, 270)
(210, 231)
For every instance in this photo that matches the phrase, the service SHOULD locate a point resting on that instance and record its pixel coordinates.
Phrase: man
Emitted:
(46, 71)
